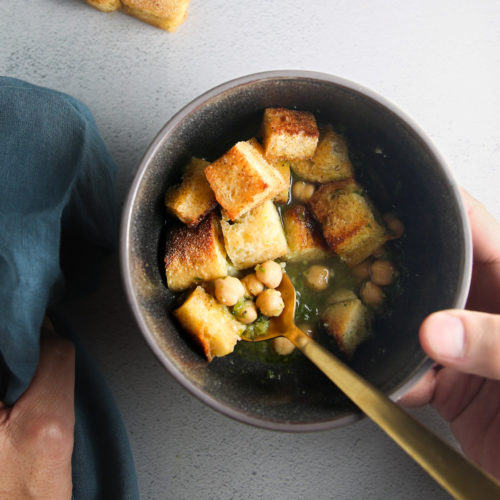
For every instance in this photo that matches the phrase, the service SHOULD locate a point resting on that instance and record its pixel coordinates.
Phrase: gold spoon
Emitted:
(453, 471)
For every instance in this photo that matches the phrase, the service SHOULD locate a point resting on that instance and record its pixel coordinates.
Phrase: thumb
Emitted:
(465, 340)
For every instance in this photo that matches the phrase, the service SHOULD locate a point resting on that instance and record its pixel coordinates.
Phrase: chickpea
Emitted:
(383, 272)
(394, 225)
(270, 303)
(362, 270)
(269, 273)
(302, 191)
(282, 346)
(372, 294)
(379, 252)
(252, 285)
(229, 290)
(246, 313)
(317, 277)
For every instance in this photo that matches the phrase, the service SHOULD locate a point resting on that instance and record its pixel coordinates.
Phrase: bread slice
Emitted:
(242, 179)
(210, 324)
(195, 254)
(348, 221)
(283, 167)
(105, 5)
(288, 134)
(347, 322)
(164, 14)
(254, 238)
(303, 235)
(330, 161)
(194, 198)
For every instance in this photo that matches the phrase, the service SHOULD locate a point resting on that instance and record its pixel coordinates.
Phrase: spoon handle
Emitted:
(461, 478)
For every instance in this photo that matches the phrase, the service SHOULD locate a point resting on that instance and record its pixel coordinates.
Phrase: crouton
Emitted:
(195, 254)
(348, 222)
(256, 237)
(330, 161)
(303, 235)
(242, 179)
(288, 134)
(194, 198)
(164, 14)
(347, 322)
(320, 201)
(210, 324)
(105, 5)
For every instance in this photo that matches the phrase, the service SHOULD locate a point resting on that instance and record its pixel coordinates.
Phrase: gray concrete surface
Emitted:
(439, 61)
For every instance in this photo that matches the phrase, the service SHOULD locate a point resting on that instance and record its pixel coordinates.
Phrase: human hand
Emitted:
(465, 386)
(36, 434)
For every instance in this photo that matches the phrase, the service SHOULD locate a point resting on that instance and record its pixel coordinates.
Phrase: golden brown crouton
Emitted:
(347, 322)
(210, 324)
(242, 179)
(164, 14)
(105, 5)
(330, 161)
(194, 198)
(283, 167)
(303, 235)
(195, 254)
(256, 237)
(348, 223)
(289, 134)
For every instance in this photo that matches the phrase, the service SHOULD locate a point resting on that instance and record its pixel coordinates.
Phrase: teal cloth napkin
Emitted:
(57, 216)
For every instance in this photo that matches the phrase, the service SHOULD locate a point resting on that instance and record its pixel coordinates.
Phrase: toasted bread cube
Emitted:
(164, 14)
(105, 5)
(321, 200)
(256, 237)
(242, 179)
(330, 161)
(283, 167)
(303, 235)
(347, 322)
(210, 324)
(288, 134)
(194, 198)
(195, 254)
(348, 222)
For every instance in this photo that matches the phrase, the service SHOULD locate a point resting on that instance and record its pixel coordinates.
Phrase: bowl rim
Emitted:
(125, 231)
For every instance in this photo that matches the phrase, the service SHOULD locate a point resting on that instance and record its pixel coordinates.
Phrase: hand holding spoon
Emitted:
(453, 471)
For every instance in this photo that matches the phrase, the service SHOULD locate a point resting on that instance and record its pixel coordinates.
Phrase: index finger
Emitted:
(485, 231)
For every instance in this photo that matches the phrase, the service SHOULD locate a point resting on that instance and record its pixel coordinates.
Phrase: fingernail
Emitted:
(448, 334)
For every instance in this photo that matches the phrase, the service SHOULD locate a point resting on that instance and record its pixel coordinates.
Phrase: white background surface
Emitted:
(439, 61)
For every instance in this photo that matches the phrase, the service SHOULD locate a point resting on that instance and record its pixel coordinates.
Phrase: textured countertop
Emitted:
(438, 61)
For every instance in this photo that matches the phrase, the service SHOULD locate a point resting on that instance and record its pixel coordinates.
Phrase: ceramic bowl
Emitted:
(402, 171)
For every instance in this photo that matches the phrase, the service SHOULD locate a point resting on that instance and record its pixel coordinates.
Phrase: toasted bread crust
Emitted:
(330, 161)
(195, 254)
(193, 199)
(242, 179)
(105, 5)
(209, 323)
(303, 235)
(289, 134)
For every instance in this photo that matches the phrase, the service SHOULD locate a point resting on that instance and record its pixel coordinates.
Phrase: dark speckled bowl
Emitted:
(401, 170)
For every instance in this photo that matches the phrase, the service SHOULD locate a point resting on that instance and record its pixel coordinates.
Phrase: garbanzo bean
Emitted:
(246, 313)
(362, 270)
(282, 346)
(302, 191)
(269, 273)
(383, 272)
(270, 303)
(371, 294)
(317, 277)
(228, 290)
(394, 225)
(252, 284)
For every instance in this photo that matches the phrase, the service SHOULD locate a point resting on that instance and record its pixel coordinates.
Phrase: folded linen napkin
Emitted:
(57, 192)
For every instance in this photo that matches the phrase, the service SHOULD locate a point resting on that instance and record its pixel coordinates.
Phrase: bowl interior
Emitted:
(399, 170)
